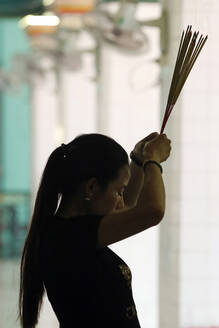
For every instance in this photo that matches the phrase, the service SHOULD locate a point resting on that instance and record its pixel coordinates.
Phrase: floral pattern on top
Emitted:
(127, 274)
(131, 312)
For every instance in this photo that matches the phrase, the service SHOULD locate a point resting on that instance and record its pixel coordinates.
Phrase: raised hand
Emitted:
(153, 147)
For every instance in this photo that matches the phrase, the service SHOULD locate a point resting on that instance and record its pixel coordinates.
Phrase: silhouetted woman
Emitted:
(90, 197)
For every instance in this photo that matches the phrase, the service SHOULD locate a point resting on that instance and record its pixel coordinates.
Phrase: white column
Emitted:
(200, 183)
(169, 280)
(44, 121)
(45, 136)
(77, 92)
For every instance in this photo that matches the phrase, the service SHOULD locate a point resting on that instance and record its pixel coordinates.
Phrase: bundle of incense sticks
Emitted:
(187, 54)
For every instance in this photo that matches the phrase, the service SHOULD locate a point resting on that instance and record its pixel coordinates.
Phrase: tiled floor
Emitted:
(9, 282)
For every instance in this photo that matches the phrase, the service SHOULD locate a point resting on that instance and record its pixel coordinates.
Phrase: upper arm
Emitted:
(123, 224)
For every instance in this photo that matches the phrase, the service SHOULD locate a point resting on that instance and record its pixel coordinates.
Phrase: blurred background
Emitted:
(76, 66)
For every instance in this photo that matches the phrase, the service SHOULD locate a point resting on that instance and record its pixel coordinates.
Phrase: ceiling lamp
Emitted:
(38, 25)
(73, 6)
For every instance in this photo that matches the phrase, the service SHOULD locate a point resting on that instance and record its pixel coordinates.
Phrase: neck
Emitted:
(72, 206)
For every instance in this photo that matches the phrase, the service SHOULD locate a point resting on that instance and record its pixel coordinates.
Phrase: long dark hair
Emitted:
(87, 156)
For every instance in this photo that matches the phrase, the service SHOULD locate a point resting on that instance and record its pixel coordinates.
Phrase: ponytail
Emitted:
(31, 283)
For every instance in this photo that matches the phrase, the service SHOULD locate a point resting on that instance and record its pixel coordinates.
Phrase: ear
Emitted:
(92, 187)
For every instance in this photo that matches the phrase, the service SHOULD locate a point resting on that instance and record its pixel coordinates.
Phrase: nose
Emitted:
(120, 205)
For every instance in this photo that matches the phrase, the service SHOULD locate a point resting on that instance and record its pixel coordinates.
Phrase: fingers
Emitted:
(163, 135)
(168, 143)
(150, 137)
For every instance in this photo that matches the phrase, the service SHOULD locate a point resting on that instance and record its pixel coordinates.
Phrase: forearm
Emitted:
(135, 185)
(152, 197)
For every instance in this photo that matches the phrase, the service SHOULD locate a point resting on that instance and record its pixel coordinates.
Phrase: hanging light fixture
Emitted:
(40, 24)
(73, 6)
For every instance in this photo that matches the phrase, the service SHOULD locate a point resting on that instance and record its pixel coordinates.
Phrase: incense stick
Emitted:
(186, 57)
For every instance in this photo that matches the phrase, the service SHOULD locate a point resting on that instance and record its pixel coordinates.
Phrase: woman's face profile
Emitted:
(111, 199)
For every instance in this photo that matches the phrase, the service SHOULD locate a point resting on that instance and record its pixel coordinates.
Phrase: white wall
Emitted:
(194, 232)
(200, 183)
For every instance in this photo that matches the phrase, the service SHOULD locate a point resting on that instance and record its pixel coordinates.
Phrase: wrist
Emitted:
(137, 161)
(152, 162)
(152, 156)
(148, 160)
(140, 162)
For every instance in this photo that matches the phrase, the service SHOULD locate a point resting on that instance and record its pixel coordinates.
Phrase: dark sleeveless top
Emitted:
(87, 286)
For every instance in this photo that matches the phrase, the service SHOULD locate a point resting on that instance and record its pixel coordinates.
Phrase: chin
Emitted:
(103, 212)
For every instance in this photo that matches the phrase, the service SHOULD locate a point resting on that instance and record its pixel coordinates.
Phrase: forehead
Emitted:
(123, 176)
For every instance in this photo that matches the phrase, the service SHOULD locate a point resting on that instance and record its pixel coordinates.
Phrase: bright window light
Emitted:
(48, 2)
(33, 20)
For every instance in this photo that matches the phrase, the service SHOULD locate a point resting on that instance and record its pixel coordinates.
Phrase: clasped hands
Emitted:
(154, 147)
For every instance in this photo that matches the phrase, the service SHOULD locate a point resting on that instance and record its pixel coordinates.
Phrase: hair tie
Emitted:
(64, 150)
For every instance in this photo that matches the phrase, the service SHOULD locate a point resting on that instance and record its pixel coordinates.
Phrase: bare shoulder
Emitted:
(121, 225)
